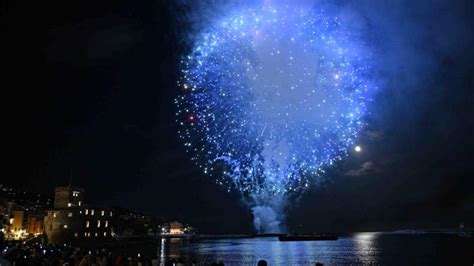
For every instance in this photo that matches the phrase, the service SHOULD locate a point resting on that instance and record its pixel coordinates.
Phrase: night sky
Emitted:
(89, 88)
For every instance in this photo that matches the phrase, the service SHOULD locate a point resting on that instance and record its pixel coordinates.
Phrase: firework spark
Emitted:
(271, 96)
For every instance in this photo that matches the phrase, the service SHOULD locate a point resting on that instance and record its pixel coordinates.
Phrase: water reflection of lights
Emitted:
(162, 251)
(276, 248)
(366, 236)
(366, 244)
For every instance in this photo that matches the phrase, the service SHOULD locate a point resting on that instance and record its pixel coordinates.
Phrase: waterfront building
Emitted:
(12, 220)
(176, 228)
(22, 213)
(34, 224)
(65, 197)
(14, 229)
(71, 221)
(17, 221)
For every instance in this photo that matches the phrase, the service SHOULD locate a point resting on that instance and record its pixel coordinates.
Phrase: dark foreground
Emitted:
(363, 248)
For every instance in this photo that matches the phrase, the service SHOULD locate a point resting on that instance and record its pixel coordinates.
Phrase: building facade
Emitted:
(34, 224)
(72, 222)
(65, 197)
(176, 228)
(16, 230)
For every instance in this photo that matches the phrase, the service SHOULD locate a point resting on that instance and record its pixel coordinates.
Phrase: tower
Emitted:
(69, 196)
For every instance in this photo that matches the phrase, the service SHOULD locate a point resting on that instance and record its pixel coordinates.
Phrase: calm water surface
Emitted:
(360, 249)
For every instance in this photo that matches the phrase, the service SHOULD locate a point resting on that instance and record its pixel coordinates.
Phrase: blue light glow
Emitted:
(271, 96)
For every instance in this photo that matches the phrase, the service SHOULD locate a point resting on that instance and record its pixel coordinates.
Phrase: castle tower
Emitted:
(69, 196)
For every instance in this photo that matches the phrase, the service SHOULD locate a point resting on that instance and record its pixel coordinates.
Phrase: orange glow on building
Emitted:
(176, 228)
(34, 225)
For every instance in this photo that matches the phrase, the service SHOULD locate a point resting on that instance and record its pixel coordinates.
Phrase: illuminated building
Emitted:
(34, 224)
(16, 221)
(68, 197)
(22, 212)
(176, 228)
(70, 221)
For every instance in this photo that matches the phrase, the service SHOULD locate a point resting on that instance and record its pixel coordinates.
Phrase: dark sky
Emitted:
(88, 88)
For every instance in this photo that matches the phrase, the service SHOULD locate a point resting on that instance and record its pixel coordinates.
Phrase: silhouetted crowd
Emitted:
(45, 255)
(40, 255)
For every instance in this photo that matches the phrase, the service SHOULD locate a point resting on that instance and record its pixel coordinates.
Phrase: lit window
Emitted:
(87, 224)
(106, 223)
(65, 226)
(92, 212)
(87, 211)
(98, 223)
(102, 213)
(69, 204)
(69, 214)
(105, 233)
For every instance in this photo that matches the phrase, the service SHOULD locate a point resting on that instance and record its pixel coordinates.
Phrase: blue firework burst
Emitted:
(271, 96)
